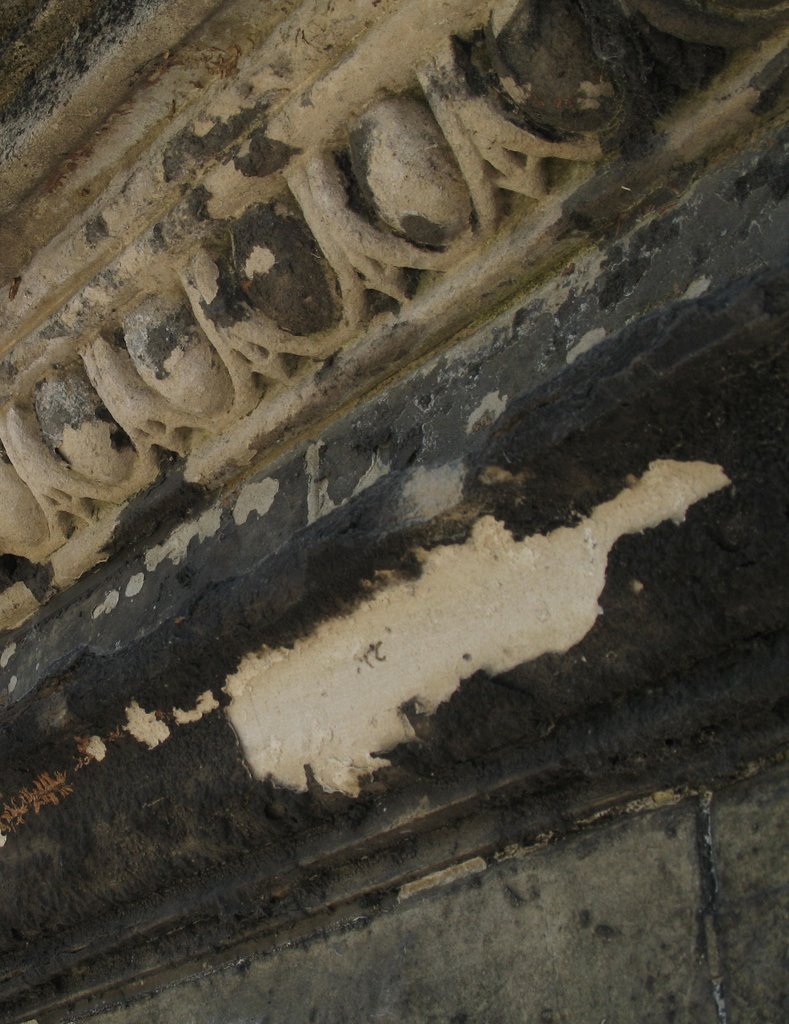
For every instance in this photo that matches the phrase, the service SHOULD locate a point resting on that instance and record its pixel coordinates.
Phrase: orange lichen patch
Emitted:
(46, 789)
(13, 815)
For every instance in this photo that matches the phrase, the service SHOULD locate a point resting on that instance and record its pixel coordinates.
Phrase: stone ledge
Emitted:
(300, 270)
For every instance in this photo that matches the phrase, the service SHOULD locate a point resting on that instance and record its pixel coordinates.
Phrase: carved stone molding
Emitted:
(319, 215)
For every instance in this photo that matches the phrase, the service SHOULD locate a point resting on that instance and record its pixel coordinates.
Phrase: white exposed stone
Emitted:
(379, 467)
(7, 654)
(17, 604)
(206, 703)
(176, 545)
(109, 603)
(22, 523)
(587, 342)
(96, 748)
(334, 700)
(444, 877)
(318, 501)
(429, 492)
(256, 497)
(206, 274)
(259, 261)
(135, 584)
(145, 727)
(697, 287)
(411, 172)
(488, 410)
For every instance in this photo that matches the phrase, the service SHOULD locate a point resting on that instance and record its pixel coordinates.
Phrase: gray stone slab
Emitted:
(749, 837)
(601, 929)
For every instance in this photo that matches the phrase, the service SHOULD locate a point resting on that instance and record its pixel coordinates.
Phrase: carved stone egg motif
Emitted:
(173, 357)
(545, 60)
(407, 171)
(22, 522)
(76, 426)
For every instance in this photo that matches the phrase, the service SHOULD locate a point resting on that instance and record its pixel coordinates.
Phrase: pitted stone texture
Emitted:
(728, 23)
(602, 927)
(547, 63)
(22, 523)
(749, 837)
(174, 358)
(282, 271)
(403, 162)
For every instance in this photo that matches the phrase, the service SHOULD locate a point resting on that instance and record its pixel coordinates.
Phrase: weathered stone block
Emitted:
(601, 928)
(749, 837)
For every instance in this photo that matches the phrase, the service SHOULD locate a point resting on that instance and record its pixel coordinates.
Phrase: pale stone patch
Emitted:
(96, 748)
(487, 412)
(378, 468)
(12, 684)
(334, 700)
(588, 341)
(318, 501)
(697, 287)
(7, 655)
(597, 88)
(144, 726)
(202, 128)
(206, 275)
(429, 492)
(259, 261)
(445, 877)
(135, 584)
(176, 545)
(255, 497)
(110, 603)
(206, 703)
(501, 14)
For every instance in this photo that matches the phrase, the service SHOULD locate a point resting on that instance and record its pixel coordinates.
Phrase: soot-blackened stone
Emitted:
(546, 61)
(151, 339)
(282, 271)
(229, 306)
(727, 23)
(263, 156)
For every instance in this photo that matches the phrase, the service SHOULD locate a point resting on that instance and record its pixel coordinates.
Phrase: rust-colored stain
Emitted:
(14, 288)
(48, 788)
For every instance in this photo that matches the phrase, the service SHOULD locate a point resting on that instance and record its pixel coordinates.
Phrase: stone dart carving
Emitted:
(23, 525)
(364, 257)
(493, 152)
(70, 452)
